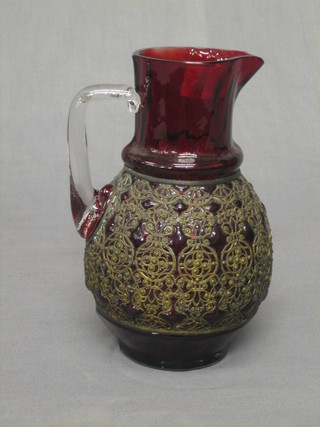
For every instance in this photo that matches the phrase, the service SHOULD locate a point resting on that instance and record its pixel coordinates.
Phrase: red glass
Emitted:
(183, 126)
(183, 101)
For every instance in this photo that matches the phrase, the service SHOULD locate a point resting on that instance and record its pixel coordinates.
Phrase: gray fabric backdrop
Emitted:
(59, 364)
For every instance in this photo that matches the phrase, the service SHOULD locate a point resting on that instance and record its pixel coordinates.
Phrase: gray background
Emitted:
(59, 364)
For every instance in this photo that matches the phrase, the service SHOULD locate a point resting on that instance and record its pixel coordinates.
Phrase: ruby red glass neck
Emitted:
(183, 128)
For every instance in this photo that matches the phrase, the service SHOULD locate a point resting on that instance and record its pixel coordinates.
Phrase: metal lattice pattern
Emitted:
(183, 259)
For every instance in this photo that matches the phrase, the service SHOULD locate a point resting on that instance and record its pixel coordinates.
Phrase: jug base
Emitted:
(186, 364)
(170, 352)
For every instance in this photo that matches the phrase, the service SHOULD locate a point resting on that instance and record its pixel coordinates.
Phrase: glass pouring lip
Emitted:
(191, 55)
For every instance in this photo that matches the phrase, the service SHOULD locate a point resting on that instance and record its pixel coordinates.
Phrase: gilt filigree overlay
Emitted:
(180, 258)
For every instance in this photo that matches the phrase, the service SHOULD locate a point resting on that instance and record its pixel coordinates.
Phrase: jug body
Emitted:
(178, 247)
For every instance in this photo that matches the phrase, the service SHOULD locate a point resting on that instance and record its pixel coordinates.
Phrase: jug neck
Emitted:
(184, 125)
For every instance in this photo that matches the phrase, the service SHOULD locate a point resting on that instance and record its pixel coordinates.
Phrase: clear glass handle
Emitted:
(88, 204)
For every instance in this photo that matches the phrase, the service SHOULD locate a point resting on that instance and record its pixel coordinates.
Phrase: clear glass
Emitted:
(88, 204)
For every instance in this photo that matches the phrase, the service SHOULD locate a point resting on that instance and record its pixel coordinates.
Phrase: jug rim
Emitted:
(191, 55)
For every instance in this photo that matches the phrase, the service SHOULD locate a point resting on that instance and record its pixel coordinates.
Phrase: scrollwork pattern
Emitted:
(180, 259)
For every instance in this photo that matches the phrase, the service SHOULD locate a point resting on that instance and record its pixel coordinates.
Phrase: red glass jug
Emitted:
(178, 247)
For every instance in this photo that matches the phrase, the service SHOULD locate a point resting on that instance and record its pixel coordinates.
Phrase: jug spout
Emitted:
(248, 66)
(183, 126)
(205, 82)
